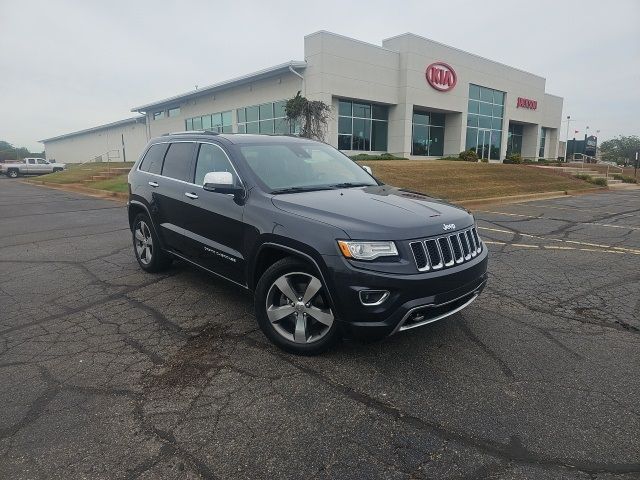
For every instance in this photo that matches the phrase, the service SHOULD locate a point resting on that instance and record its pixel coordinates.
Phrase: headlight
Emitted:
(367, 250)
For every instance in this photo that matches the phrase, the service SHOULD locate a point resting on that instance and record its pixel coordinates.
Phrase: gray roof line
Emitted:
(264, 73)
(136, 119)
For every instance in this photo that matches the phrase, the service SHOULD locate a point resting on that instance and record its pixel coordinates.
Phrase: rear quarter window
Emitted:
(177, 161)
(152, 161)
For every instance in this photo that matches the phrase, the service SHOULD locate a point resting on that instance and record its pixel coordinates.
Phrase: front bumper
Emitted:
(414, 300)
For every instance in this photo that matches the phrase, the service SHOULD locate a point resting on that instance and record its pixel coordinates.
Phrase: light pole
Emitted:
(566, 143)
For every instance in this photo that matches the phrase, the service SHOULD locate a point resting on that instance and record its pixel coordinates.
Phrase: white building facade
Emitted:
(411, 97)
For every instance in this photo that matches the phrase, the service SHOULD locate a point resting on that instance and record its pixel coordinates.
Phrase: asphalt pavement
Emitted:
(110, 372)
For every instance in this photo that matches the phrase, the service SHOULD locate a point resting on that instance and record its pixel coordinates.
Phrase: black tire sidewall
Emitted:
(279, 268)
(159, 259)
(12, 174)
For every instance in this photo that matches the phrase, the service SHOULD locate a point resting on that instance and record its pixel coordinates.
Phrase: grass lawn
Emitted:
(444, 179)
(453, 180)
(79, 173)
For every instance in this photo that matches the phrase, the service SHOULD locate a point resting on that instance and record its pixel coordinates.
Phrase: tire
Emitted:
(295, 326)
(57, 170)
(146, 246)
(13, 173)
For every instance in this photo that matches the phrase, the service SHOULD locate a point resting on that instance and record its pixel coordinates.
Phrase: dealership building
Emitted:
(411, 97)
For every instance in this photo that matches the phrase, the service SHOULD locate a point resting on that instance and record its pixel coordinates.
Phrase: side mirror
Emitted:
(367, 169)
(220, 182)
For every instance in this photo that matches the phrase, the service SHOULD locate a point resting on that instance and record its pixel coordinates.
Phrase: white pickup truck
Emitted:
(30, 166)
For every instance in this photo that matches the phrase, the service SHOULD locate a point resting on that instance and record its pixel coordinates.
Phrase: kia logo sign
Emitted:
(441, 76)
(527, 103)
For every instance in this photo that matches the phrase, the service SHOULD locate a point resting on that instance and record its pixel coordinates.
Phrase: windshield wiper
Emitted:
(351, 185)
(299, 189)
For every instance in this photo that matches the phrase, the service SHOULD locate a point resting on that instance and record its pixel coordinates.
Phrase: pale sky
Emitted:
(69, 65)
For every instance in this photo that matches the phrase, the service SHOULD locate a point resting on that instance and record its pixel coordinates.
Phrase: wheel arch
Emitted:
(134, 208)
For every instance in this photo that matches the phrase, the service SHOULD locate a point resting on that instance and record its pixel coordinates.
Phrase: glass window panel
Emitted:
(381, 112)
(420, 140)
(241, 115)
(177, 161)
(484, 122)
(216, 119)
(486, 94)
(472, 120)
(361, 133)
(226, 117)
(206, 122)
(436, 141)
(472, 139)
(152, 161)
(266, 126)
(474, 107)
(495, 145)
(197, 123)
(278, 109)
(227, 129)
(474, 92)
(281, 126)
(496, 123)
(174, 112)
(421, 118)
(437, 119)
(189, 124)
(266, 111)
(344, 142)
(242, 128)
(252, 127)
(379, 136)
(497, 110)
(252, 113)
(498, 97)
(211, 158)
(344, 125)
(485, 109)
(361, 110)
(344, 108)
(516, 144)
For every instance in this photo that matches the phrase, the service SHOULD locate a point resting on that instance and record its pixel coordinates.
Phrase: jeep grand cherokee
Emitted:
(326, 248)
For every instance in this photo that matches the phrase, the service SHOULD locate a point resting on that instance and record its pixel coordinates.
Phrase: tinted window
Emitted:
(177, 160)
(41, 162)
(152, 161)
(211, 158)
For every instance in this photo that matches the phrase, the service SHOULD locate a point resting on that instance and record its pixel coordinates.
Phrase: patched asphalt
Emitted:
(109, 372)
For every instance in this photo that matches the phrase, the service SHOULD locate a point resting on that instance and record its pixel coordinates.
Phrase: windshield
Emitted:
(298, 166)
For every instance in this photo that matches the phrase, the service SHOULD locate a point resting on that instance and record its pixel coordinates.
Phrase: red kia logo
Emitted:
(441, 76)
(527, 103)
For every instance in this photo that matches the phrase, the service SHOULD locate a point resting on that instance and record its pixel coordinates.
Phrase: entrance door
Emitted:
(484, 144)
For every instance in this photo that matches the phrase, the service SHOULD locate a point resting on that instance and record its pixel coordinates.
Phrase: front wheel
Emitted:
(58, 169)
(293, 309)
(146, 246)
(13, 173)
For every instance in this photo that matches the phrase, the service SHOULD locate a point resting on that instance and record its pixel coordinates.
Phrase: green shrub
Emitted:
(624, 178)
(485, 160)
(382, 156)
(468, 156)
(514, 159)
(599, 181)
(584, 177)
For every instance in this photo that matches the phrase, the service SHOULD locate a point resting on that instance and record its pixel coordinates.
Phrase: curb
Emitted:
(527, 197)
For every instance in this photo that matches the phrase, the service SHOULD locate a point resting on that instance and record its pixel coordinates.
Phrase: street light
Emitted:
(566, 144)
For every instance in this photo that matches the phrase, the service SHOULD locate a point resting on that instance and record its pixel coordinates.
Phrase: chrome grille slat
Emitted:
(446, 251)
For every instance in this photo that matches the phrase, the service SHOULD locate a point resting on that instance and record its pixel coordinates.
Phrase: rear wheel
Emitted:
(13, 173)
(293, 309)
(146, 246)
(58, 169)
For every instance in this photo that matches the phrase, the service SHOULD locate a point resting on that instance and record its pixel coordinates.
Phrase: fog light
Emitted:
(371, 298)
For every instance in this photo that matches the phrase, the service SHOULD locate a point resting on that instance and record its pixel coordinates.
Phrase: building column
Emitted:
(399, 129)
(455, 134)
(530, 140)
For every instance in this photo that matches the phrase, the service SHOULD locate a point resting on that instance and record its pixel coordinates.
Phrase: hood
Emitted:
(376, 212)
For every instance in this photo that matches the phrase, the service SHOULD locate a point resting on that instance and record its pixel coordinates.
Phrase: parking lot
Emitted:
(109, 372)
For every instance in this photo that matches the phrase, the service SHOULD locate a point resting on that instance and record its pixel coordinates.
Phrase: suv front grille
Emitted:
(446, 251)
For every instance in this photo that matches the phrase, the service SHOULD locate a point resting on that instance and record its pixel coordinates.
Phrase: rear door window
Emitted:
(152, 161)
(177, 161)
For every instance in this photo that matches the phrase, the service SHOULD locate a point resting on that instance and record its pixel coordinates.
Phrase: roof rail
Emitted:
(192, 132)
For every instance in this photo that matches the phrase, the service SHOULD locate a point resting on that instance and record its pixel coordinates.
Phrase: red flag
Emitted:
(576, 131)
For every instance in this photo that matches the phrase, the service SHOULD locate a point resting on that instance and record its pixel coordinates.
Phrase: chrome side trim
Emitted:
(374, 304)
(181, 257)
(401, 328)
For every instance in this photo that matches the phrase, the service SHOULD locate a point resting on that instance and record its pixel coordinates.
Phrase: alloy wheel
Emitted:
(298, 309)
(143, 242)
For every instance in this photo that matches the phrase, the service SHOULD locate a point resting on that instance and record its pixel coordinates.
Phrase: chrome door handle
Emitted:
(191, 195)
(153, 184)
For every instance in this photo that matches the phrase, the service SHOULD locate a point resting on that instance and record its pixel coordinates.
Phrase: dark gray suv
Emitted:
(327, 249)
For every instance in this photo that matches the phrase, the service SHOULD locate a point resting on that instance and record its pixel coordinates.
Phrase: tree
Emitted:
(622, 149)
(311, 115)
(9, 152)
